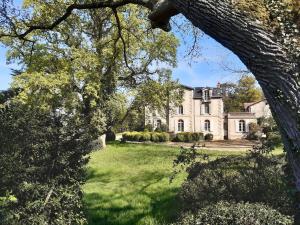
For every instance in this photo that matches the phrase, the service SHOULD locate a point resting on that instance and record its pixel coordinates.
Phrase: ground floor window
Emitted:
(180, 125)
(158, 123)
(242, 126)
(207, 125)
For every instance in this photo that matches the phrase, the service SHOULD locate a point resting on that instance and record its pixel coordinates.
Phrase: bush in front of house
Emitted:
(149, 128)
(209, 137)
(146, 136)
(163, 128)
(231, 213)
(188, 137)
(163, 137)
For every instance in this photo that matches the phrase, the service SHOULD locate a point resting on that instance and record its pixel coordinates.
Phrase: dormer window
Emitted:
(206, 95)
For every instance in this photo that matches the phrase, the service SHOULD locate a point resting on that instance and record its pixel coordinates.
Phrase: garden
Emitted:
(130, 184)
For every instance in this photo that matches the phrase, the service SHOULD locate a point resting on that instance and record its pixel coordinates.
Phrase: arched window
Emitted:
(180, 110)
(180, 125)
(242, 126)
(207, 125)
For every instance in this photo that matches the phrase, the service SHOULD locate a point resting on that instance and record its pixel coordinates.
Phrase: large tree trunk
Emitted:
(263, 54)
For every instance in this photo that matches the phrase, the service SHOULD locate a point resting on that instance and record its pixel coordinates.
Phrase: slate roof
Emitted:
(247, 105)
(216, 92)
(245, 115)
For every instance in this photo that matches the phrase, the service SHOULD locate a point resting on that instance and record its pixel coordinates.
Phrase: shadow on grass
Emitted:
(141, 203)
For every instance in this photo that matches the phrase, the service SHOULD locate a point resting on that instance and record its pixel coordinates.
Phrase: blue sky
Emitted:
(206, 70)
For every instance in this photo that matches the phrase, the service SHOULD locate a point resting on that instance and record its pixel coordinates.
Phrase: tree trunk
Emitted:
(266, 58)
(168, 111)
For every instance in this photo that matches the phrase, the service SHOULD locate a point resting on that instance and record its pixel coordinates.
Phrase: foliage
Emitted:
(269, 127)
(209, 137)
(244, 91)
(41, 163)
(251, 178)
(146, 136)
(149, 127)
(163, 128)
(274, 138)
(228, 213)
(160, 96)
(131, 184)
(110, 136)
(188, 137)
(254, 131)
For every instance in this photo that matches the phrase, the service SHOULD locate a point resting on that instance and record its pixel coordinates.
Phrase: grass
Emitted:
(128, 184)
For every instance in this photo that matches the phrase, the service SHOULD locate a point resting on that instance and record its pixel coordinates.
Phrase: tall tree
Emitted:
(68, 88)
(244, 91)
(161, 95)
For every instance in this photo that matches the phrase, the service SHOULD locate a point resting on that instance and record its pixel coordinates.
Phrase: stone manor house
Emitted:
(202, 110)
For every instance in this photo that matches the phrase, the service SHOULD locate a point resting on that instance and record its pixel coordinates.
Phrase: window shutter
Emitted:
(237, 126)
(247, 126)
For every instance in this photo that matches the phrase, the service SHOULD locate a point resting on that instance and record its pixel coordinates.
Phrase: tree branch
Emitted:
(95, 5)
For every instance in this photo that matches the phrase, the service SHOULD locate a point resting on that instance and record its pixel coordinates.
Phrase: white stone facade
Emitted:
(202, 110)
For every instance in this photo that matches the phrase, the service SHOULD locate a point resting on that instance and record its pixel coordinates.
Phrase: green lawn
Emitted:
(128, 184)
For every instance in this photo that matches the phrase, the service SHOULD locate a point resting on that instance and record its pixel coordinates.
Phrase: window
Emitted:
(242, 126)
(180, 125)
(206, 108)
(207, 125)
(206, 94)
(158, 123)
(180, 110)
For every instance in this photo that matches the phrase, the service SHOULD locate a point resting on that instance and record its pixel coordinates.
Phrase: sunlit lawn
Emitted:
(129, 184)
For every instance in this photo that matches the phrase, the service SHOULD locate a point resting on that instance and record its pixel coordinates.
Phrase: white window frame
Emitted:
(180, 125)
(180, 110)
(242, 126)
(207, 125)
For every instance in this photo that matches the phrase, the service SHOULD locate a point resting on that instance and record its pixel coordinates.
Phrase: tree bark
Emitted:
(265, 57)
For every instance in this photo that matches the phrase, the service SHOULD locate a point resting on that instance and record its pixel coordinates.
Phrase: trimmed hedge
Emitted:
(146, 136)
(188, 137)
(225, 213)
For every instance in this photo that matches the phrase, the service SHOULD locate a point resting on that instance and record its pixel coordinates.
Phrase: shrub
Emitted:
(145, 136)
(162, 128)
(251, 178)
(254, 131)
(225, 213)
(110, 136)
(154, 137)
(163, 137)
(137, 136)
(274, 138)
(188, 137)
(149, 127)
(209, 137)
(197, 136)
(180, 137)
